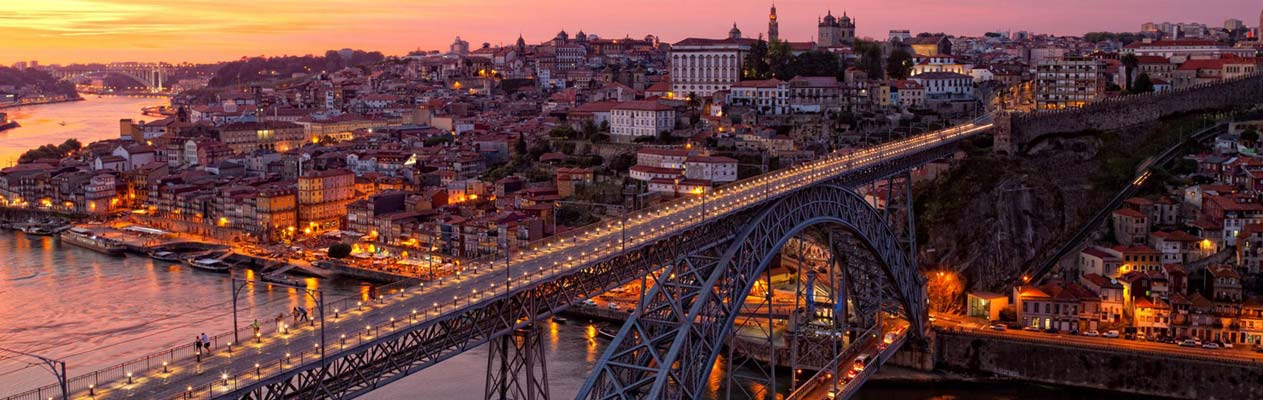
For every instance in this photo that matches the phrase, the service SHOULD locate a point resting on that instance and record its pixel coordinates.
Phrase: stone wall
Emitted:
(1014, 132)
(1105, 367)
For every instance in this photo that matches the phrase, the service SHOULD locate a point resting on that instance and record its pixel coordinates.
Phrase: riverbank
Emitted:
(41, 102)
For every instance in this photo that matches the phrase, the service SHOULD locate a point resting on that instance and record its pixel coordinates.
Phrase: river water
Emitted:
(94, 118)
(92, 310)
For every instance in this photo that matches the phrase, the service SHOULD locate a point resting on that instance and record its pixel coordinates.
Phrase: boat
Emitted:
(208, 264)
(166, 256)
(282, 279)
(39, 230)
(62, 123)
(88, 240)
(5, 123)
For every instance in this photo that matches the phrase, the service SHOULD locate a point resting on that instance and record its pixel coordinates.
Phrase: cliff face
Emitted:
(989, 217)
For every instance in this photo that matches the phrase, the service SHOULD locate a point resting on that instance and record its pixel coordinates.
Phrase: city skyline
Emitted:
(209, 31)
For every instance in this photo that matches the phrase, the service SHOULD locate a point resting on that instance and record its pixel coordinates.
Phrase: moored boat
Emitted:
(166, 256)
(282, 279)
(208, 264)
(88, 240)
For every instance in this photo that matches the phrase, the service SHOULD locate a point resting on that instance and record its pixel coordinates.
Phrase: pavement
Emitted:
(486, 279)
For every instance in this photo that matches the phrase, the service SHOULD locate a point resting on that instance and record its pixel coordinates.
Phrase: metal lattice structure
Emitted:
(667, 348)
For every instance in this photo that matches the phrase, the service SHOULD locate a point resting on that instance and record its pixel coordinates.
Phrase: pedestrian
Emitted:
(293, 313)
(197, 344)
(279, 317)
(256, 327)
(206, 342)
(302, 312)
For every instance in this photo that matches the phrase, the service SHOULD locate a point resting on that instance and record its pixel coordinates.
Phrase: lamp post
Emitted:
(57, 367)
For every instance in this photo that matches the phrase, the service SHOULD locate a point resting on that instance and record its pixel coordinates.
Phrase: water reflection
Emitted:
(93, 310)
(94, 118)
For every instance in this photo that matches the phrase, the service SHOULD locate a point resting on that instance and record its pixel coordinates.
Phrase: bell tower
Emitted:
(773, 31)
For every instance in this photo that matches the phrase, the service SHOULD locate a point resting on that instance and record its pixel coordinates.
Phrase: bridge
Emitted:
(702, 259)
(150, 76)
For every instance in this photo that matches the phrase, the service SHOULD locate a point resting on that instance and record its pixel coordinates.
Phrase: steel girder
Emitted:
(666, 349)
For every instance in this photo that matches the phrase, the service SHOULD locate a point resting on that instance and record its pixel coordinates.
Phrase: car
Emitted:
(1210, 345)
(1051, 330)
(852, 374)
(589, 303)
(1258, 349)
(997, 327)
(1092, 333)
(1226, 345)
(1031, 329)
(1188, 343)
(613, 306)
(1112, 333)
(832, 394)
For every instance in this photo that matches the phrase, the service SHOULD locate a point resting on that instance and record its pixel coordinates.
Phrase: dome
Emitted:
(829, 19)
(734, 32)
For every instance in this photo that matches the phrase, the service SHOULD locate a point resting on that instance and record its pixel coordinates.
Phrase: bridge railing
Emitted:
(1236, 362)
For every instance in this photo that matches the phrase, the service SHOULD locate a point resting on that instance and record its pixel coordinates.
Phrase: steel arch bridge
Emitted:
(821, 198)
(152, 78)
(666, 349)
(715, 246)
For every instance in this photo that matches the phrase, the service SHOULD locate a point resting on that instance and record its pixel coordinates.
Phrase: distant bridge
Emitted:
(150, 76)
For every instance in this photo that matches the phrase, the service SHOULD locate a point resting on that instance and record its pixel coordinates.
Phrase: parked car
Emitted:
(1226, 345)
(1112, 333)
(1091, 333)
(1210, 345)
(1031, 329)
(1188, 343)
(997, 327)
(1050, 330)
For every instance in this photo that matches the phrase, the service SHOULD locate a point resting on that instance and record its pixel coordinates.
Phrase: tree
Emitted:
(755, 65)
(1142, 85)
(519, 148)
(1250, 137)
(1131, 62)
(779, 58)
(340, 250)
(899, 65)
(815, 63)
(870, 59)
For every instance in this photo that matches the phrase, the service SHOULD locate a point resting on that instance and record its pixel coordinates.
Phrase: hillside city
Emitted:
(415, 165)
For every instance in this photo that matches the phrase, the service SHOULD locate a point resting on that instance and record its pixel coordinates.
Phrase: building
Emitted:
(769, 96)
(1130, 226)
(701, 67)
(773, 29)
(986, 305)
(931, 46)
(245, 137)
(1069, 82)
(1183, 50)
(907, 94)
(946, 86)
(641, 118)
(834, 32)
(322, 199)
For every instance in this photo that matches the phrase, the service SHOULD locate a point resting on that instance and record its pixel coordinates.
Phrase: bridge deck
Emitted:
(486, 279)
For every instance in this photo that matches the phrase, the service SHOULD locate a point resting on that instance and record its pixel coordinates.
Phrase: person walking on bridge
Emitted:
(206, 342)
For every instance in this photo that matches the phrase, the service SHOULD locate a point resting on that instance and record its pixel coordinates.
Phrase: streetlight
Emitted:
(56, 367)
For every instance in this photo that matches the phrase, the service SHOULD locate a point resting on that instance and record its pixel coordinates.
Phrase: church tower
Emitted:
(773, 31)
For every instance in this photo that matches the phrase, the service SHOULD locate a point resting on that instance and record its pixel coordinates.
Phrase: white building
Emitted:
(711, 168)
(765, 96)
(641, 118)
(703, 66)
(945, 85)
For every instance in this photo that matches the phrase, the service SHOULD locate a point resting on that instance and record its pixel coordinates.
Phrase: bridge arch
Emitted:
(151, 79)
(667, 348)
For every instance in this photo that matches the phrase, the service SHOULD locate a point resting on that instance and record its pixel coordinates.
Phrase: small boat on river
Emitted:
(86, 239)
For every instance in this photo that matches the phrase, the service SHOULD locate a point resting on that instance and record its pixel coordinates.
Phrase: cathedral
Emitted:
(836, 31)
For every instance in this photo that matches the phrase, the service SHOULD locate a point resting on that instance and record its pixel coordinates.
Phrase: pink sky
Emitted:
(64, 31)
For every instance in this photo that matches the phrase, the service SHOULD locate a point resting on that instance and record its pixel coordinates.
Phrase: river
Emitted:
(92, 310)
(94, 118)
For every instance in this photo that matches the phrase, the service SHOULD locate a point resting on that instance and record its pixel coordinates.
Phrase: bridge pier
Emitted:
(516, 369)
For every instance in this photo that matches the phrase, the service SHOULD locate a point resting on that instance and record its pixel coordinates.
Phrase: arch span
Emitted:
(667, 347)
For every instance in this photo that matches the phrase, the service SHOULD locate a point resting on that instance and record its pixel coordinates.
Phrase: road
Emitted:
(1241, 353)
(487, 278)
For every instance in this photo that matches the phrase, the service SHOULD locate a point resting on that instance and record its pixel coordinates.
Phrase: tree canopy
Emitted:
(50, 151)
(261, 68)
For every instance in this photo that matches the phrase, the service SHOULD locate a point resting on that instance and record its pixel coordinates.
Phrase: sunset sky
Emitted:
(63, 31)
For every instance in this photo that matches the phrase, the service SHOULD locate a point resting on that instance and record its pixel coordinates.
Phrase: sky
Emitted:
(64, 31)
